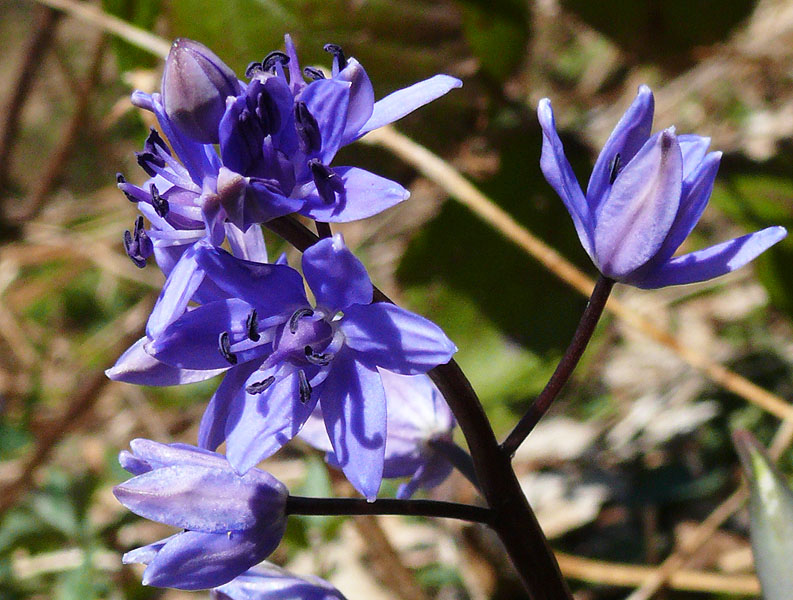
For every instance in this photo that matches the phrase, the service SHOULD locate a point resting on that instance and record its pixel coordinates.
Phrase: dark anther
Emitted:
(252, 69)
(259, 386)
(276, 56)
(307, 128)
(313, 73)
(338, 53)
(252, 326)
(224, 345)
(137, 245)
(320, 360)
(147, 159)
(296, 316)
(268, 113)
(121, 180)
(616, 165)
(305, 387)
(154, 143)
(160, 204)
(327, 181)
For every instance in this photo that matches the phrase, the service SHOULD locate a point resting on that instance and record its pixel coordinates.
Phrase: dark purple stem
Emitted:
(300, 505)
(565, 368)
(323, 229)
(513, 520)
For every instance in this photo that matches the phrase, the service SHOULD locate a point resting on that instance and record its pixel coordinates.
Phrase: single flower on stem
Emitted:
(644, 197)
(230, 522)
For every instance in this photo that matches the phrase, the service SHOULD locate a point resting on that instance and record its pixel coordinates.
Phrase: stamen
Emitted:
(252, 69)
(252, 326)
(337, 53)
(616, 164)
(224, 345)
(321, 360)
(259, 386)
(276, 56)
(313, 73)
(327, 181)
(160, 204)
(137, 245)
(296, 316)
(305, 387)
(154, 143)
(147, 159)
(121, 180)
(268, 113)
(307, 129)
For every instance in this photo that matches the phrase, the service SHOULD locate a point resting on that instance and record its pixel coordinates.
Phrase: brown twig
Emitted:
(46, 20)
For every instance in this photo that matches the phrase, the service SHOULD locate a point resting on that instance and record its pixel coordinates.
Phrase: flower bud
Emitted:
(195, 85)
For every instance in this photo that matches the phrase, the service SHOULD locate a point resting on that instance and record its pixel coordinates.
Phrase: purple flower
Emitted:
(644, 197)
(417, 417)
(269, 582)
(281, 133)
(287, 355)
(231, 523)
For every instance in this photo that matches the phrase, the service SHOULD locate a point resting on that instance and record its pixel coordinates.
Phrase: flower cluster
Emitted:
(229, 156)
(345, 372)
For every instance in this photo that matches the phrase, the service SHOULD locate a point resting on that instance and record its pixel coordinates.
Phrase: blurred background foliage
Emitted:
(637, 451)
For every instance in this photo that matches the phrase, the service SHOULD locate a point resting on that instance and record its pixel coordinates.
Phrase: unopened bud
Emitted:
(195, 85)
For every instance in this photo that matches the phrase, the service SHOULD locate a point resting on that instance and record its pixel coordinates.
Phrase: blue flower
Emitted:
(644, 197)
(281, 133)
(231, 523)
(285, 355)
(269, 582)
(417, 417)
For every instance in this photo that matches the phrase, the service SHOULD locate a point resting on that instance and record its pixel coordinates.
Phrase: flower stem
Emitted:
(512, 518)
(581, 337)
(324, 230)
(300, 505)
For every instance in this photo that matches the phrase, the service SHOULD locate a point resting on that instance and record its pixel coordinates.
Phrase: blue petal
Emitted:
(212, 430)
(195, 561)
(241, 137)
(694, 149)
(395, 339)
(162, 455)
(248, 245)
(714, 261)
(337, 278)
(327, 100)
(145, 554)
(353, 406)
(628, 137)
(201, 498)
(270, 582)
(559, 174)
(361, 104)
(191, 342)
(273, 289)
(403, 102)
(634, 220)
(139, 367)
(177, 292)
(365, 194)
(259, 424)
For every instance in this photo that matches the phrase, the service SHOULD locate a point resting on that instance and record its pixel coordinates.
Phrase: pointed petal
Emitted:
(212, 430)
(694, 149)
(176, 293)
(163, 455)
(635, 219)
(273, 289)
(365, 194)
(195, 561)
(361, 104)
(191, 342)
(139, 367)
(248, 245)
(395, 339)
(145, 554)
(559, 174)
(327, 100)
(628, 137)
(337, 278)
(261, 423)
(714, 261)
(269, 582)
(201, 498)
(354, 409)
(314, 433)
(694, 198)
(403, 102)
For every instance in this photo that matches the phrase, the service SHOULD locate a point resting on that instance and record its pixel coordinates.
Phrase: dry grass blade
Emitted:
(442, 173)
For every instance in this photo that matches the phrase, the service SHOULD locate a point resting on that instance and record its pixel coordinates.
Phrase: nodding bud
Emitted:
(195, 85)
